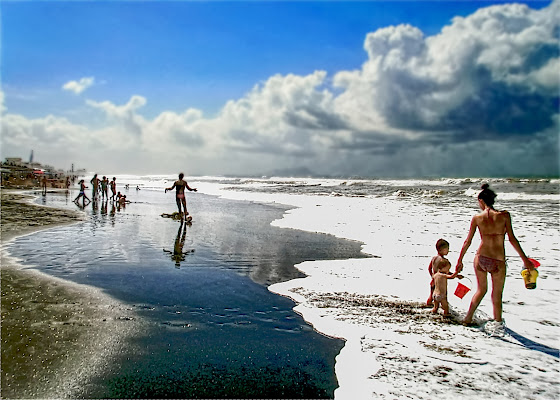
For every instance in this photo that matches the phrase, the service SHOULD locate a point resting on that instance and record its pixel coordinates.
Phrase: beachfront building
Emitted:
(18, 173)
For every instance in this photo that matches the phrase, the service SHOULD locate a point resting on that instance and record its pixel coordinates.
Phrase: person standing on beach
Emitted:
(180, 186)
(440, 287)
(442, 247)
(491, 256)
(95, 185)
(113, 185)
(82, 193)
(44, 185)
(105, 187)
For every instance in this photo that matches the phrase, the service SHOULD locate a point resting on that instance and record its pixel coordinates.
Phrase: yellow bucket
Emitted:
(530, 278)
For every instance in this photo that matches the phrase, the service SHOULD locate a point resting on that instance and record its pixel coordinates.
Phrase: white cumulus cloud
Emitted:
(79, 86)
(480, 97)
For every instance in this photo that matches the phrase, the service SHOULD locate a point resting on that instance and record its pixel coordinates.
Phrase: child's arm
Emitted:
(453, 275)
(430, 268)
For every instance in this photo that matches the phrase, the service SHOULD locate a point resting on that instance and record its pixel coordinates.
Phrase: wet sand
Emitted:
(209, 329)
(50, 327)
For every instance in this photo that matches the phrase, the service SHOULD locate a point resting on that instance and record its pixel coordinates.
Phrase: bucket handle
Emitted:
(466, 277)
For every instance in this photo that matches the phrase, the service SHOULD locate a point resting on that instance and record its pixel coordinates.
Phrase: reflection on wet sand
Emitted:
(178, 255)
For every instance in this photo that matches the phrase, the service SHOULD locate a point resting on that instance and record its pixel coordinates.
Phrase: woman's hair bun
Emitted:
(485, 186)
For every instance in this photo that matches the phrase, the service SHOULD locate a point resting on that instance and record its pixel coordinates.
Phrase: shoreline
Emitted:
(49, 323)
(19, 209)
(240, 263)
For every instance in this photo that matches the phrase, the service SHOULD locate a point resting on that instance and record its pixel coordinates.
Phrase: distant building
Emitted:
(16, 161)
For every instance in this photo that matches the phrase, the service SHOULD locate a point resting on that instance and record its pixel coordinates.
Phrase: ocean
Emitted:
(361, 248)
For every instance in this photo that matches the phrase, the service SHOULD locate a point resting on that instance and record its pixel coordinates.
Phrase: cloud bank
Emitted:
(479, 98)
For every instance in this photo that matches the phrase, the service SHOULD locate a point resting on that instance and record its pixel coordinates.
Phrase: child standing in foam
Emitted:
(441, 265)
(442, 247)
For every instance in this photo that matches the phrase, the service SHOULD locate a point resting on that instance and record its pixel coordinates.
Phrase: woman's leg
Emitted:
(482, 288)
(498, 282)
(184, 201)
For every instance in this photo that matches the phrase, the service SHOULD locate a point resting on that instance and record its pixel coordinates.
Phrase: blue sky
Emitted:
(180, 55)
(191, 54)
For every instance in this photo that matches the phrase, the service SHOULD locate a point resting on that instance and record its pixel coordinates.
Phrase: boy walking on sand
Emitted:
(442, 247)
(440, 290)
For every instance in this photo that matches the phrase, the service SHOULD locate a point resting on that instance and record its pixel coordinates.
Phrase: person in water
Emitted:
(113, 185)
(490, 258)
(105, 188)
(94, 186)
(180, 186)
(82, 193)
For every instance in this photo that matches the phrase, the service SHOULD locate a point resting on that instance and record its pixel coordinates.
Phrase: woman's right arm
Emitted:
(171, 188)
(466, 245)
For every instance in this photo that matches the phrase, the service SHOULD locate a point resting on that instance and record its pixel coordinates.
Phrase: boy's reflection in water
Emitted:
(178, 254)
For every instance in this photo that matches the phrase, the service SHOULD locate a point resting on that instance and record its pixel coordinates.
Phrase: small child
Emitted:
(440, 290)
(442, 247)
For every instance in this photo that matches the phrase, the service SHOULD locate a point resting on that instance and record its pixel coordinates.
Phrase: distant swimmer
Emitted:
(180, 186)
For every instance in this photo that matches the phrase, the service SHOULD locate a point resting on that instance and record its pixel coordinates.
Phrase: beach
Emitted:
(49, 326)
(209, 326)
(308, 288)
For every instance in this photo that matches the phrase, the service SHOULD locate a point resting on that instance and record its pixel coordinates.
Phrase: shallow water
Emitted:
(213, 328)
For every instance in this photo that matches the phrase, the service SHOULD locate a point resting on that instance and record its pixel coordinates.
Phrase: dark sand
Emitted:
(48, 325)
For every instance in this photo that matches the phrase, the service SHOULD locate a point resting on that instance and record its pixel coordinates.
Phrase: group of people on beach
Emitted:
(101, 186)
(490, 258)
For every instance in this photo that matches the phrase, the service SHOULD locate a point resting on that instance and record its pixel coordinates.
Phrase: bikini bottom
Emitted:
(488, 264)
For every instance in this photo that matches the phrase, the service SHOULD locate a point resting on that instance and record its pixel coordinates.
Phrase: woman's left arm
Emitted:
(515, 243)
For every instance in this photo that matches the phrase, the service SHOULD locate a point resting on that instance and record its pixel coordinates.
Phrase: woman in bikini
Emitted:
(180, 198)
(491, 255)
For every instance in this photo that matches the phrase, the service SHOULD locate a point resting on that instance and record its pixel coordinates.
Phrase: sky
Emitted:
(362, 88)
